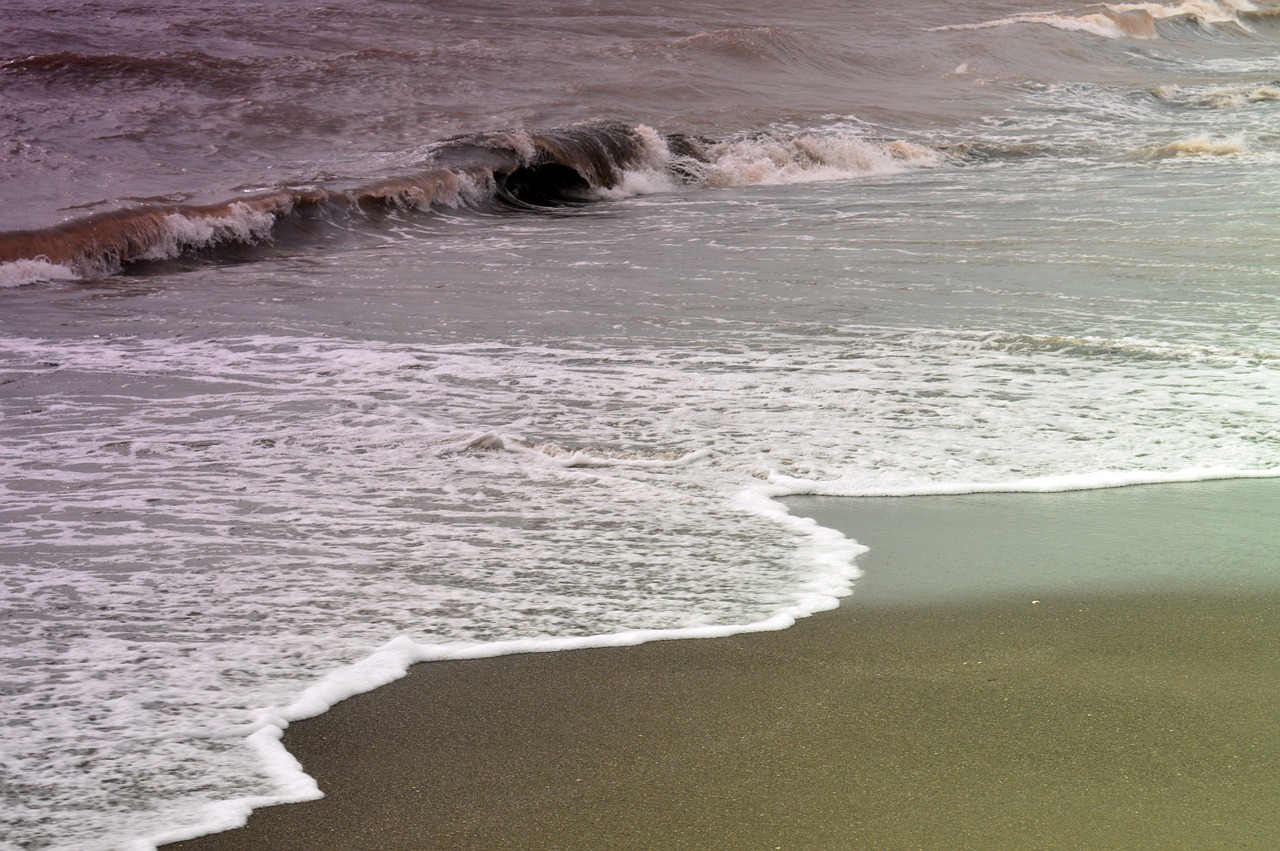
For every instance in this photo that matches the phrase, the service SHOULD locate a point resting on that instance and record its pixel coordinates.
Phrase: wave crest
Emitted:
(1108, 23)
(752, 43)
(779, 158)
(115, 69)
(518, 169)
(1200, 11)
(1127, 20)
(1222, 97)
(1199, 146)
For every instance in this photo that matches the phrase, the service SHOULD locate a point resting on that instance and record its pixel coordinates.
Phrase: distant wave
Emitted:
(1127, 20)
(749, 46)
(746, 43)
(520, 170)
(113, 69)
(1107, 24)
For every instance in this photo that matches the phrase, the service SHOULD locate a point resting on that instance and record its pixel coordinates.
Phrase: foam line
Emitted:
(827, 548)
(1101, 480)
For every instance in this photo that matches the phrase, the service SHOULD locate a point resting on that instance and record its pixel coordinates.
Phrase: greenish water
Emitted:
(1216, 537)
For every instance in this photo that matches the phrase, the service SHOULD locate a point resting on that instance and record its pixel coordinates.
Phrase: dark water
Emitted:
(335, 336)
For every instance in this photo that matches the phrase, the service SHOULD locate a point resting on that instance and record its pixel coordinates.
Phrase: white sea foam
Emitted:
(783, 155)
(287, 507)
(242, 223)
(1218, 97)
(22, 272)
(1205, 11)
(787, 157)
(646, 177)
(826, 547)
(1201, 145)
(1124, 20)
(1099, 24)
(205, 540)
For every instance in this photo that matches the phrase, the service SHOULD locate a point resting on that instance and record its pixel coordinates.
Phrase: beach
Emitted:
(1119, 691)
(345, 340)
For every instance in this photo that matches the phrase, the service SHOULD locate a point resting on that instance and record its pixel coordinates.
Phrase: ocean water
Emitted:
(339, 336)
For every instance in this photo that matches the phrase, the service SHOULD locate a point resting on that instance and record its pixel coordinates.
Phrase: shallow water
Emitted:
(1214, 539)
(386, 368)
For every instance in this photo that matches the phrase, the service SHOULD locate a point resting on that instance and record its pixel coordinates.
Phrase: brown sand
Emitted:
(1123, 719)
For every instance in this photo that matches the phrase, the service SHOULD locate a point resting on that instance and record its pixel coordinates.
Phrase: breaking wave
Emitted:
(519, 170)
(1199, 146)
(1108, 24)
(1218, 97)
(781, 158)
(1128, 20)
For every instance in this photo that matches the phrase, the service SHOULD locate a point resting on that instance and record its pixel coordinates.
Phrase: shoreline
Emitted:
(1137, 714)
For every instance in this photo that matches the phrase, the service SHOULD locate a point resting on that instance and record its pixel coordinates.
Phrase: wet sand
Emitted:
(1126, 698)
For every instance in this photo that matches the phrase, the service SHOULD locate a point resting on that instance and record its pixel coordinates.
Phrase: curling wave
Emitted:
(519, 170)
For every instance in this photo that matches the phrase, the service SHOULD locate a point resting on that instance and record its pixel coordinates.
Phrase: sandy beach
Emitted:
(1082, 670)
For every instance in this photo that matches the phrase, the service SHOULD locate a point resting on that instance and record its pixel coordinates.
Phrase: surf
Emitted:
(510, 170)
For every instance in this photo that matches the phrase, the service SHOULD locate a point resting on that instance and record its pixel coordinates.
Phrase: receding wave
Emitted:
(519, 170)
